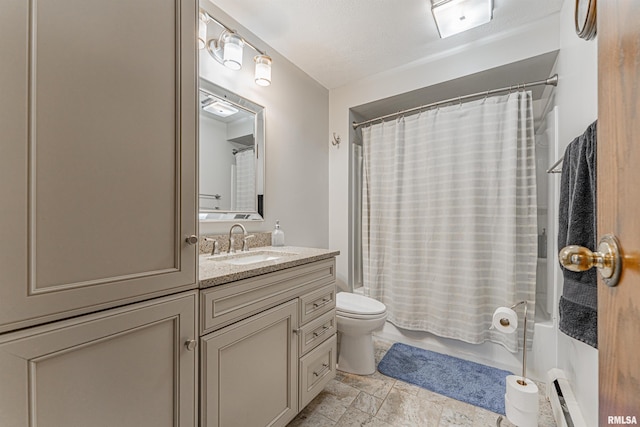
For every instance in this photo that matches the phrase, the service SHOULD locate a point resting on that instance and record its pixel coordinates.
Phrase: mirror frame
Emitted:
(259, 145)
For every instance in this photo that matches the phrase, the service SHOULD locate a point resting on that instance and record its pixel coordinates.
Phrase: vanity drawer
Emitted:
(317, 331)
(231, 302)
(317, 303)
(316, 369)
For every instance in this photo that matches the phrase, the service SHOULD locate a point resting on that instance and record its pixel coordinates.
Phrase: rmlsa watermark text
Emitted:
(622, 419)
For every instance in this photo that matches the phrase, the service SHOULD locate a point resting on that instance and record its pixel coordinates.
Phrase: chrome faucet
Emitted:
(232, 239)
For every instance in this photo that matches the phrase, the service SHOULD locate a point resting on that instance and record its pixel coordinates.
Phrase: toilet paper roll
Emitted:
(522, 397)
(505, 320)
(519, 417)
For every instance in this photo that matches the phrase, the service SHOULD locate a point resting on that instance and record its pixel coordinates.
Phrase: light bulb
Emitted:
(263, 70)
(232, 56)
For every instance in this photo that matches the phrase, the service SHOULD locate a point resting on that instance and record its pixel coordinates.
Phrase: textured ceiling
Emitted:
(341, 41)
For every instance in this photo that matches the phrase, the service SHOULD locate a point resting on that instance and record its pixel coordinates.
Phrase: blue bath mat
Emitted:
(470, 382)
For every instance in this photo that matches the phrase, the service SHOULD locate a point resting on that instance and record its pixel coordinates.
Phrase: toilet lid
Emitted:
(347, 302)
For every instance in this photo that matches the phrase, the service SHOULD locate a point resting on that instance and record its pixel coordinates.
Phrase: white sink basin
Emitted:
(253, 257)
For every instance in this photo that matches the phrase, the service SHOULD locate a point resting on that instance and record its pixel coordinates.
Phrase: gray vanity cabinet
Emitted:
(251, 371)
(268, 345)
(97, 155)
(131, 366)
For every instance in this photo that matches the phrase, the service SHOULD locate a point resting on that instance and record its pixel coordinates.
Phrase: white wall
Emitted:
(534, 39)
(576, 98)
(297, 145)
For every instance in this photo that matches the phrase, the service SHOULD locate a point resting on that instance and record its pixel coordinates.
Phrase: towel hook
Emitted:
(336, 140)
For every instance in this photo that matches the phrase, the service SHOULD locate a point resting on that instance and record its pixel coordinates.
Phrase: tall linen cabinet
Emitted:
(98, 307)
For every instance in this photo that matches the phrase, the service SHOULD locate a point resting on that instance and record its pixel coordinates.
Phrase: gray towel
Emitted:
(577, 225)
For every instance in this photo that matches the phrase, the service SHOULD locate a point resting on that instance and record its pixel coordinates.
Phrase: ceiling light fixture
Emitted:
(220, 108)
(228, 50)
(455, 16)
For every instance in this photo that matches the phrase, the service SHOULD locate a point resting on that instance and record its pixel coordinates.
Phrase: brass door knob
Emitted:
(607, 259)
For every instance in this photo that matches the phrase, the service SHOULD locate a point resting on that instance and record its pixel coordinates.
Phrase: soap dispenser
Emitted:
(277, 235)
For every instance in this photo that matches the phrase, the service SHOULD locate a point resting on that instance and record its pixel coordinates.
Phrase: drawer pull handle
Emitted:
(321, 303)
(324, 329)
(325, 368)
(297, 331)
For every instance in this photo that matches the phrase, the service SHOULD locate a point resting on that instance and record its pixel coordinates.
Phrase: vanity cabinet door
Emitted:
(97, 155)
(250, 371)
(125, 367)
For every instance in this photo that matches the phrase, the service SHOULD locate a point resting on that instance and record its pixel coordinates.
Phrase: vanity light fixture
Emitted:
(455, 16)
(202, 30)
(228, 50)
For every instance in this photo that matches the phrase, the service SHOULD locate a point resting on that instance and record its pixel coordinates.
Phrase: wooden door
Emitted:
(97, 155)
(619, 206)
(250, 371)
(125, 367)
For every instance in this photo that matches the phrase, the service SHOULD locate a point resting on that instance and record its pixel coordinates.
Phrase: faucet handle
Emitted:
(245, 243)
(215, 250)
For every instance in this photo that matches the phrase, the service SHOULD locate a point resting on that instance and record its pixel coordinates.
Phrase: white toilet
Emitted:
(357, 317)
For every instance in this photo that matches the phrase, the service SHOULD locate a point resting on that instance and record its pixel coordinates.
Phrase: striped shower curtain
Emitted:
(245, 183)
(449, 217)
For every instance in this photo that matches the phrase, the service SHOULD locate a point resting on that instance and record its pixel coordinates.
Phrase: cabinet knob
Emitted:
(192, 240)
(191, 344)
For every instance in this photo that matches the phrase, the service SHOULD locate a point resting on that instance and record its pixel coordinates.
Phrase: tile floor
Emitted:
(381, 401)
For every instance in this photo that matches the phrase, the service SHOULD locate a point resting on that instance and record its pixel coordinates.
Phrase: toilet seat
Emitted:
(358, 306)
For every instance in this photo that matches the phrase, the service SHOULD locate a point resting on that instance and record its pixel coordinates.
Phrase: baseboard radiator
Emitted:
(566, 410)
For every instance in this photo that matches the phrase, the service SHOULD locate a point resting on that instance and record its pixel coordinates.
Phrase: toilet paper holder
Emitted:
(505, 322)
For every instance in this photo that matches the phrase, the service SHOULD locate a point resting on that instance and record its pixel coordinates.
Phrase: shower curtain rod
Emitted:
(552, 81)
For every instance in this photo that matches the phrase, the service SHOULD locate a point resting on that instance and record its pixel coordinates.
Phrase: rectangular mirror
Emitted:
(231, 156)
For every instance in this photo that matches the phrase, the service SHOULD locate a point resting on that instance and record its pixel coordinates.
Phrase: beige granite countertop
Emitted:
(213, 273)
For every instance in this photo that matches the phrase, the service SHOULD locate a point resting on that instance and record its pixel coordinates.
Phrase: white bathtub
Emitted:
(539, 360)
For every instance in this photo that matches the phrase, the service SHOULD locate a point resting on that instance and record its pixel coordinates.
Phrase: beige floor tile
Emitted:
(328, 405)
(403, 409)
(380, 401)
(407, 388)
(311, 419)
(457, 414)
(484, 418)
(367, 403)
(431, 396)
(376, 385)
(343, 392)
(356, 418)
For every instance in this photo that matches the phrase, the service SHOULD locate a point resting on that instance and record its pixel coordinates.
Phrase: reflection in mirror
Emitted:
(231, 156)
